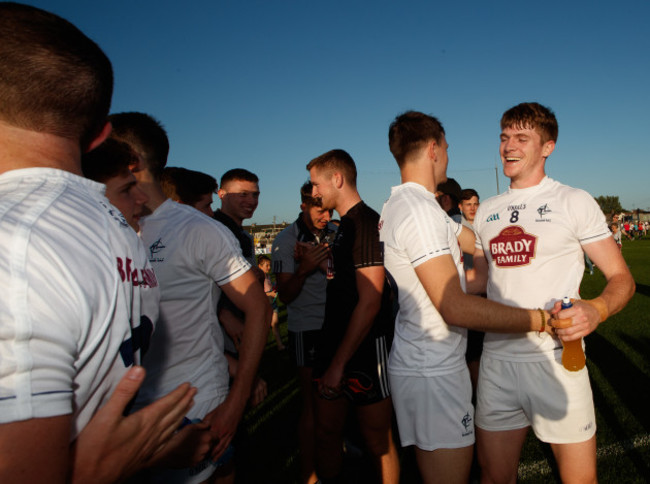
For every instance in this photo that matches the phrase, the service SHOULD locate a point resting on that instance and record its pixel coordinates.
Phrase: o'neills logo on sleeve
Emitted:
(513, 247)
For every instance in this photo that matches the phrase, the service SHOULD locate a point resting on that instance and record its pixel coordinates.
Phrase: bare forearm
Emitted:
(232, 366)
(289, 289)
(477, 313)
(618, 291)
(466, 240)
(256, 327)
(35, 450)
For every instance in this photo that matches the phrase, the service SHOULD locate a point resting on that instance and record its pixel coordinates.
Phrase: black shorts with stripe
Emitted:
(302, 346)
(366, 374)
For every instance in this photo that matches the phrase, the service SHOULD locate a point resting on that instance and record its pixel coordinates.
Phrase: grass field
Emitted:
(618, 362)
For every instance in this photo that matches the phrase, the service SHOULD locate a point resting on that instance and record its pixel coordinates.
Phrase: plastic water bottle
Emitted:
(573, 356)
(330, 266)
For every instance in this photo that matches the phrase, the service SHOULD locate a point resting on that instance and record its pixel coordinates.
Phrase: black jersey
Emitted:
(355, 246)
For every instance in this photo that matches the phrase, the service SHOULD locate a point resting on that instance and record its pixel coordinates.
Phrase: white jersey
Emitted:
(307, 311)
(414, 229)
(189, 252)
(532, 239)
(72, 273)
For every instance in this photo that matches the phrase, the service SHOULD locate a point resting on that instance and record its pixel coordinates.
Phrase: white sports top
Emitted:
(72, 273)
(307, 311)
(189, 252)
(532, 239)
(413, 229)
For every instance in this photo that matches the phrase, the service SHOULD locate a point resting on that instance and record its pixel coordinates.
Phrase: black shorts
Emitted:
(366, 374)
(302, 346)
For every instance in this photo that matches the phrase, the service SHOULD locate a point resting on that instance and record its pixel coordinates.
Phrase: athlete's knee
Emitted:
(379, 442)
(496, 471)
(306, 426)
(579, 475)
(497, 476)
(327, 434)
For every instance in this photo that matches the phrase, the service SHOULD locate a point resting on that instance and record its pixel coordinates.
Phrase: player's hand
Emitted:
(311, 257)
(187, 447)
(223, 422)
(575, 322)
(259, 392)
(112, 446)
(330, 384)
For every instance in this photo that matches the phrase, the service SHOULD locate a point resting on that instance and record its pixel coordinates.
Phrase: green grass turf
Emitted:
(618, 362)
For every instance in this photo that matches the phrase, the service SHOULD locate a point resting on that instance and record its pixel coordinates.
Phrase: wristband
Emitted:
(543, 328)
(600, 305)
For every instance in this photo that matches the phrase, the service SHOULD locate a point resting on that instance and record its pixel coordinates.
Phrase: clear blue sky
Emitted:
(269, 85)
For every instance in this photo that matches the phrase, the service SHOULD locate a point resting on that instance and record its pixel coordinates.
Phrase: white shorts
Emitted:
(434, 412)
(205, 468)
(557, 403)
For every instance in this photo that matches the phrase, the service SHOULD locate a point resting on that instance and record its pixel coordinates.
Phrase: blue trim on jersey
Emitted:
(53, 392)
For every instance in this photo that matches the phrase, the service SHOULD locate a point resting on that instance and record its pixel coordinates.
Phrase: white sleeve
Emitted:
(44, 319)
(477, 227)
(423, 234)
(589, 219)
(218, 253)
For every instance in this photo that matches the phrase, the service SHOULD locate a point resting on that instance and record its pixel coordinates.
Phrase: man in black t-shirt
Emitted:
(239, 193)
(351, 358)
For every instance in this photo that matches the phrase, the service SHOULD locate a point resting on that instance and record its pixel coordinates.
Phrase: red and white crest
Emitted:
(513, 247)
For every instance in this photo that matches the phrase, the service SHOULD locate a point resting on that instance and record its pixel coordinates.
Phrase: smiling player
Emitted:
(532, 237)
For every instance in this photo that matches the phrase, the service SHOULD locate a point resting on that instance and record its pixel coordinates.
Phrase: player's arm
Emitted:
(466, 240)
(440, 280)
(476, 282)
(309, 260)
(35, 450)
(271, 293)
(248, 295)
(587, 315)
(370, 284)
(260, 390)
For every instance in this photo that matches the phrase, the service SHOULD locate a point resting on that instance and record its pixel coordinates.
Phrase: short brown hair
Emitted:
(239, 174)
(452, 188)
(532, 116)
(53, 79)
(305, 195)
(145, 135)
(110, 159)
(468, 193)
(186, 186)
(409, 131)
(336, 160)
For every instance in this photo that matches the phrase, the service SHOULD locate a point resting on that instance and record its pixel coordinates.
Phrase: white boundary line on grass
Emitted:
(541, 467)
